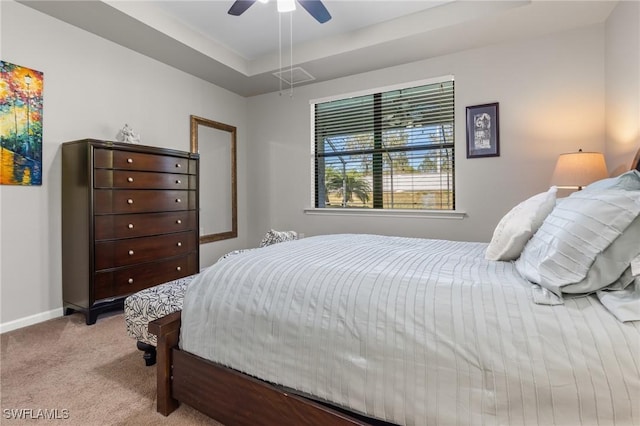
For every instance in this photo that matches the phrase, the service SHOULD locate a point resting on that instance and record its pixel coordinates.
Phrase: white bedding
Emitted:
(414, 332)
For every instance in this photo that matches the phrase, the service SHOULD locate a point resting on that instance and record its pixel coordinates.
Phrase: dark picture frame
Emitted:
(483, 131)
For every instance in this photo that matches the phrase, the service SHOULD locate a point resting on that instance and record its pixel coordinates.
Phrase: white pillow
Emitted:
(624, 304)
(585, 243)
(518, 225)
(629, 181)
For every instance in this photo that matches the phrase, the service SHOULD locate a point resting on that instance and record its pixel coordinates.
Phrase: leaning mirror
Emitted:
(216, 144)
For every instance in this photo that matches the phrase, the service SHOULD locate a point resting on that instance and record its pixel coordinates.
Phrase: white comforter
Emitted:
(414, 332)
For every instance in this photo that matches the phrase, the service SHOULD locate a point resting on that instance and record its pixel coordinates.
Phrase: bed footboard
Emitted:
(231, 397)
(234, 398)
(167, 330)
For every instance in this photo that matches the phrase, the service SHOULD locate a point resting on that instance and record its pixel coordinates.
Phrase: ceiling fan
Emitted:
(314, 7)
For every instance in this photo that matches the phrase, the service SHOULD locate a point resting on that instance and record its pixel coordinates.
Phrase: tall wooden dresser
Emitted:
(129, 221)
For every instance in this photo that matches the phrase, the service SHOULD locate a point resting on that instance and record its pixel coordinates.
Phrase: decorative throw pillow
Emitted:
(519, 224)
(273, 237)
(586, 242)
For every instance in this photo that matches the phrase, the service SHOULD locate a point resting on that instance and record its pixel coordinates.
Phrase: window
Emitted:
(386, 150)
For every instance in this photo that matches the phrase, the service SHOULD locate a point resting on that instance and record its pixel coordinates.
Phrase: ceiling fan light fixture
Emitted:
(314, 7)
(286, 6)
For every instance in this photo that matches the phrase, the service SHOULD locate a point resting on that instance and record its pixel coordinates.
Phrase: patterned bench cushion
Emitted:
(153, 303)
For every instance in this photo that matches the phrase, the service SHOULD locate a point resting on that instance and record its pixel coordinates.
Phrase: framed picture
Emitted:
(21, 130)
(483, 132)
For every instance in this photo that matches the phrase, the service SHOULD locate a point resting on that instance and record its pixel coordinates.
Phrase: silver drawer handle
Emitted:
(129, 160)
(179, 221)
(178, 181)
(130, 252)
(129, 179)
(179, 244)
(130, 201)
(179, 268)
(130, 280)
(178, 200)
(178, 165)
(130, 226)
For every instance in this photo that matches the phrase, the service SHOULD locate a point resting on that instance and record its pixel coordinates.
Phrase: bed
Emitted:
(412, 331)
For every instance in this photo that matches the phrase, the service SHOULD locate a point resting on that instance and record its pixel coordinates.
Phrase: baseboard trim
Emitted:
(30, 320)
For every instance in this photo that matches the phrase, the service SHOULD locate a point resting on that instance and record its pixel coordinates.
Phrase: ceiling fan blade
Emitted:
(240, 6)
(316, 9)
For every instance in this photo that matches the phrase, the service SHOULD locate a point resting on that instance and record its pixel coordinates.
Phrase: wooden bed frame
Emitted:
(234, 398)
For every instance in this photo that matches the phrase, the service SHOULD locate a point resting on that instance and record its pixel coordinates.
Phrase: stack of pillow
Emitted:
(587, 243)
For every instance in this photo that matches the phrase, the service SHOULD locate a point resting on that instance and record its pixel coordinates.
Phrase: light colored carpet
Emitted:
(94, 375)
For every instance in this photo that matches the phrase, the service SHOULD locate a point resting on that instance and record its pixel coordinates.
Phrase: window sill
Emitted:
(422, 214)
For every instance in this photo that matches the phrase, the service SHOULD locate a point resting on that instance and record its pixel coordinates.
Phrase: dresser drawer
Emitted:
(126, 160)
(124, 281)
(116, 253)
(119, 198)
(109, 227)
(108, 201)
(106, 178)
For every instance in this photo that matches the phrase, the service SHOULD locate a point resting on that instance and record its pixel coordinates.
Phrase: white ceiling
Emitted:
(255, 33)
(241, 53)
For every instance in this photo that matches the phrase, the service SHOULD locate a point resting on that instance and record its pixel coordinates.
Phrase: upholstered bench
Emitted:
(156, 302)
(152, 303)
(147, 305)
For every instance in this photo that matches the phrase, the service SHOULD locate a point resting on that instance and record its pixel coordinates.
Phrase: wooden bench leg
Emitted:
(149, 353)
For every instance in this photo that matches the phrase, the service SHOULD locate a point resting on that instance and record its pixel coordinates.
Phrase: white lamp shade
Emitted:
(578, 169)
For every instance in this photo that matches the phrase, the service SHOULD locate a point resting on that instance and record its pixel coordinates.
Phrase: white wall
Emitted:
(622, 76)
(92, 87)
(551, 95)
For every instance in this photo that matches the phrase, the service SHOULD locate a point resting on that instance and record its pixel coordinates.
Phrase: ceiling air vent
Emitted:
(293, 76)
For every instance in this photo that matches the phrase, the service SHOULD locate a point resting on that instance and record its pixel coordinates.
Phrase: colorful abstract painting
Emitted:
(20, 125)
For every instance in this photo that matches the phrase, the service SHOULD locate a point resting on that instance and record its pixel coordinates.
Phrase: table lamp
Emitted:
(578, 169)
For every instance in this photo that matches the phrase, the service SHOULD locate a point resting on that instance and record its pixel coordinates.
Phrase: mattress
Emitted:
(414, 332)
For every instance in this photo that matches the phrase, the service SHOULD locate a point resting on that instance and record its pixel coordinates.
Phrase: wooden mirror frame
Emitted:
(195, 123)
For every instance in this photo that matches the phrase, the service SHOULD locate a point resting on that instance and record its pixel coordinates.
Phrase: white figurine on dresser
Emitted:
(127, 135)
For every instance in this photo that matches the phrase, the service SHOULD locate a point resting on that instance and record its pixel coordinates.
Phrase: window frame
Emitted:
(355, 211)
